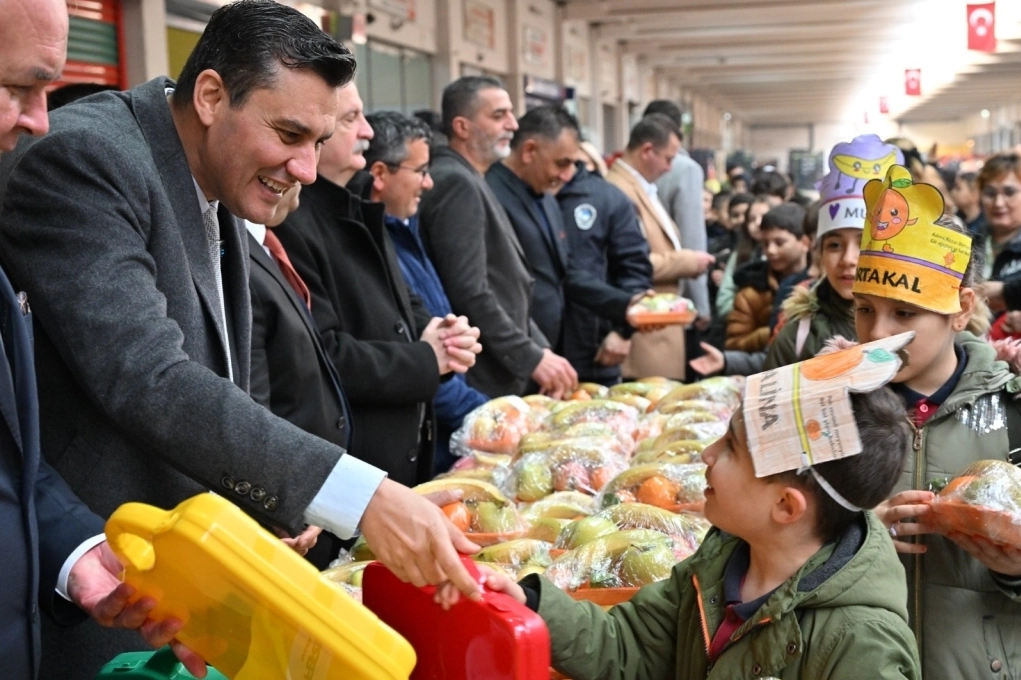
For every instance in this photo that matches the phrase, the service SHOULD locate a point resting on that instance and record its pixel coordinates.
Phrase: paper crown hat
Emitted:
(800, 415)
(905, 255)
(852, 164)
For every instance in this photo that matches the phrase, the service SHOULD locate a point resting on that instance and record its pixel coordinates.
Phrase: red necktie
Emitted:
(286, 268)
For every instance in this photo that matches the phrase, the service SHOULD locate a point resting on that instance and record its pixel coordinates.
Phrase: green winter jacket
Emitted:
(967, 624)
(831, 315)
(841, 617)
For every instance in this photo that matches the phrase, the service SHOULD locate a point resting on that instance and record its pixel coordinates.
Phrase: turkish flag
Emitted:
(884, 105)
(913, 82)
(982, 27)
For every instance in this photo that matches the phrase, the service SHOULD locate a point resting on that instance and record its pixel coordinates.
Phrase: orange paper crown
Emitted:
(905, 255)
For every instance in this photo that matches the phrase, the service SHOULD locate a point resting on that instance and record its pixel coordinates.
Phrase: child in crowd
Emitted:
(964, 594)
(785, 246)
(719, 234)
(813, 315)
(794, 581)
(747, 250)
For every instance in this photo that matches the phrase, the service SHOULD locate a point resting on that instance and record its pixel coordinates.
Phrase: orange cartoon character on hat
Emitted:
(898, 203)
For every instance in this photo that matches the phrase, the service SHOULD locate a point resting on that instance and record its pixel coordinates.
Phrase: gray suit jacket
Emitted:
(100, 224)
(480, 262)
(680, 191)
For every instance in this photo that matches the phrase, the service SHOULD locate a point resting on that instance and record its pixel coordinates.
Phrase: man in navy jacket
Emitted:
(605, 240)
(398, 159)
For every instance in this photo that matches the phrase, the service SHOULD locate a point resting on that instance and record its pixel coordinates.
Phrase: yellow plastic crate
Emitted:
(252, 607)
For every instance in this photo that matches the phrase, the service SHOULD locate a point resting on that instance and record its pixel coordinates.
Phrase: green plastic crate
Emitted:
(158, 665)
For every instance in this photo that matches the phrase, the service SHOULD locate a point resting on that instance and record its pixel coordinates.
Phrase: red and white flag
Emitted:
(884, 105)
(913, 82)
(982, 27)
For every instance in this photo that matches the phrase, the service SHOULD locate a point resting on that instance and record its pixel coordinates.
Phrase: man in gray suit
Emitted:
(475, 251)
(680, 191)
(143, 317)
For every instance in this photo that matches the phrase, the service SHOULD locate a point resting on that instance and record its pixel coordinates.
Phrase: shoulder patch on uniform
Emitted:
(585, 216)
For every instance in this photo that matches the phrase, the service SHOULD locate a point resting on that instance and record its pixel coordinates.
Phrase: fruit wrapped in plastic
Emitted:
(721, 411)
(516, 554)
(495, 427)
(583, 434)
(698, 432)
(348, 573)
(687, 528)
(984, 500)
(483, 512)
(680, 451)
(671, 486)
(621, 417)
(567, 505)
(619, 560)
(661, 309)
(650, 426)
(717, 390)
(651, 389)
(583, 464)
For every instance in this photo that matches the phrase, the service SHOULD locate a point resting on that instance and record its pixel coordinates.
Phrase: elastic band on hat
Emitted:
(830, 491)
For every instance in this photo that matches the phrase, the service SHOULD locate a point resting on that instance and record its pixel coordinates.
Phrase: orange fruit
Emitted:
(831, 366)
(659, 491)
(601, 476)
(572, 476)
(459, 515)
(580, 395)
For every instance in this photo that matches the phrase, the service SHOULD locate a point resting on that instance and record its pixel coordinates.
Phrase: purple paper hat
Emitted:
(852, 165)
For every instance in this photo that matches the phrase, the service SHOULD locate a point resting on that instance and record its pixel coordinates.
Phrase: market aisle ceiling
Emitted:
(804, 61)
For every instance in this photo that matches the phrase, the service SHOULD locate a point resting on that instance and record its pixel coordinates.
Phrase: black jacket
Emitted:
(483, 270)
(547, 253)
(291, 373)
(369, 325)
(1007, 268)
(606, 241)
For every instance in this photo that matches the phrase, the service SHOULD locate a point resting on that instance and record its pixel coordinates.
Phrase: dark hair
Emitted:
(740, 199)
(866, 479)
(64, 95)
(771, 183)
(997, 166)
(247, 41)
(787, 216)
(969, 178)
(746, 245)
(461, 97)
(912, 156)
(655, 128)
(666, 108)
(721, 201)
(392, 131)
(547, 121)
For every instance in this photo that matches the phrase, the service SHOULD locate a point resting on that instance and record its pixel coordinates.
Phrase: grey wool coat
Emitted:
(100, 224)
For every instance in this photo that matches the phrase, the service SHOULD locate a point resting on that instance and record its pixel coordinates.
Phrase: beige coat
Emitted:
(660, 352)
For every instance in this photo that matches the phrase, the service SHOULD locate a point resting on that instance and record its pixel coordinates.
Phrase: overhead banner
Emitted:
(982, 27)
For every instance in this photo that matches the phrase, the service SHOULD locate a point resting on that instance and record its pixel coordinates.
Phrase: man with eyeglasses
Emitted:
(398, 161)
(390, 352)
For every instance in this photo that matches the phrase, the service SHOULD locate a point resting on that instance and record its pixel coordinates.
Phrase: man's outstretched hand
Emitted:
(94, 585)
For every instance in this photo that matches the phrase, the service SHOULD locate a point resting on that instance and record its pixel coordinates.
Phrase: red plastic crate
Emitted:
(495, 639)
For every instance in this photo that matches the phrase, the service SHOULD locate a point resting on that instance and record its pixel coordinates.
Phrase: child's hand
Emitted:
(894, 512)
(1003, 559)
(447, 595)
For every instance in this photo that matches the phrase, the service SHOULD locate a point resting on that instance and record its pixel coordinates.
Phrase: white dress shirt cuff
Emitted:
(341, 502)
(72, 559)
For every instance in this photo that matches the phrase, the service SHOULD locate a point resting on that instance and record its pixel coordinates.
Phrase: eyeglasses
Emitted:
(1009, 193)
(423, 171)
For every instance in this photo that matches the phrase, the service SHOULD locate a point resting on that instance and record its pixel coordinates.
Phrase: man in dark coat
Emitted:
(542, 159)
(109, 223)
(389, 351)
(606, 240)
(475, 250)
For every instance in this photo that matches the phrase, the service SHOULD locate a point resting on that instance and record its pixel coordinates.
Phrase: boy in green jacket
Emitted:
(795, 580)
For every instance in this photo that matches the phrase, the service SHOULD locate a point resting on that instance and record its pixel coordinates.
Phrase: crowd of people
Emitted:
(240, 282)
